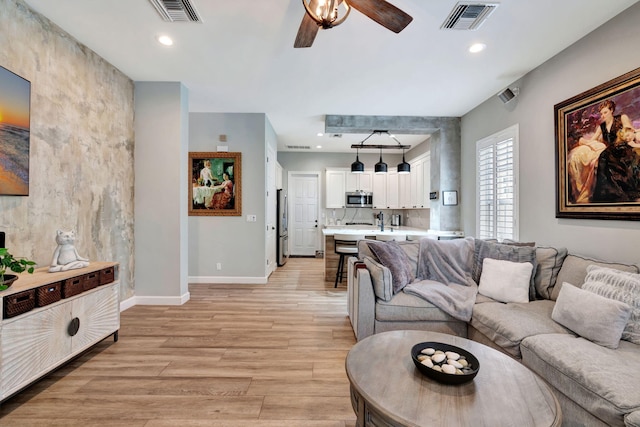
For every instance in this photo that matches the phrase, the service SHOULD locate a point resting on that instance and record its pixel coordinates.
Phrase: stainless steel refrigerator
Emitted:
(282, 250)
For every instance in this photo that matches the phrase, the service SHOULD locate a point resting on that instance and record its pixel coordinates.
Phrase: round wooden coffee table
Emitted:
(388, 390)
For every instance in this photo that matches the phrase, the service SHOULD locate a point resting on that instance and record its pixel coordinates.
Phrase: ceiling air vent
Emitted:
(298, 147)
(176, 10)
(468, 15)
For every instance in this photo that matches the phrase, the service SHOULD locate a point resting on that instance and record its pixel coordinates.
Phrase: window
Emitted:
(497, 185)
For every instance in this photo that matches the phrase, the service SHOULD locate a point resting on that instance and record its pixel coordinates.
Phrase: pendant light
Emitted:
(381, 167)
(404, 167)
(357, 166)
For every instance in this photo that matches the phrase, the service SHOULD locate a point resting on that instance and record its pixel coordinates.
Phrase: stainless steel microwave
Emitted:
(359, 200)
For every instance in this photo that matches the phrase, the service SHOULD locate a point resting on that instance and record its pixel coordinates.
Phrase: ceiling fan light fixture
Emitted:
(327, 13)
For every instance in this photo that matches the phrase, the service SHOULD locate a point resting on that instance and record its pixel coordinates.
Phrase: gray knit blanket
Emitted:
(444, 276)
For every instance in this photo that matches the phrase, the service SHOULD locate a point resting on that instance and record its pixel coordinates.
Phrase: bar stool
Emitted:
(387, 237)
(345, 245)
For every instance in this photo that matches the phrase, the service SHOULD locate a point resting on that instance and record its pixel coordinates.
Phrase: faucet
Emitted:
(380, 217)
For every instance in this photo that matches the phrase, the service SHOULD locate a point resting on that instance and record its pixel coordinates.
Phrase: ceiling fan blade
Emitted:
(307, 32)
(383, 13)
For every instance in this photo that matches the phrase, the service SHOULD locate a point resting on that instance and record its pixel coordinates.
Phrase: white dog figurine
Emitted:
(66, 256)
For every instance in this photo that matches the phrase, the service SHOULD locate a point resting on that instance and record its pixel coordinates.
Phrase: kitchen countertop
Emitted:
(372, 230)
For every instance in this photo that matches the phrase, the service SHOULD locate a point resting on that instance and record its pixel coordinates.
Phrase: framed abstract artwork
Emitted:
(598, 151)
(215, 187)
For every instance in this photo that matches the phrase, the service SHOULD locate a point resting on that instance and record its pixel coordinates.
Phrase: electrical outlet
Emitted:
(219, 266)
(252, 218)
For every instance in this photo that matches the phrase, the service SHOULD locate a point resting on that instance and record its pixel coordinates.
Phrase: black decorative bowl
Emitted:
(441, 376)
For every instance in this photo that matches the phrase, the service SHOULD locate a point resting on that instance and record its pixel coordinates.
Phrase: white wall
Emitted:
(608, 52)
(230, 240)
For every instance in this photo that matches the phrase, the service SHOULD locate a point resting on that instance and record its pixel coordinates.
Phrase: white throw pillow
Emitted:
(505, 281)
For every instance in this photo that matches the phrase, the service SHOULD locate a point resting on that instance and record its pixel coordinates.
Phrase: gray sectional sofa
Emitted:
(594, 374)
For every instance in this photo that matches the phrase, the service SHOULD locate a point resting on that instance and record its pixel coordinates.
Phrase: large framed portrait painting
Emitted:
(598, 151)
(215, 187)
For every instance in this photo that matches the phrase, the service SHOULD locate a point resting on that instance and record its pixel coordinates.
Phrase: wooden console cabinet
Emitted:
(34, 343)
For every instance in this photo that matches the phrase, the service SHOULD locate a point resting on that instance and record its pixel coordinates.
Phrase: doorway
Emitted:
(304, 203)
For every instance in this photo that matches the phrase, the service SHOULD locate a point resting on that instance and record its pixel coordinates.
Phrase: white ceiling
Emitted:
(241, 58)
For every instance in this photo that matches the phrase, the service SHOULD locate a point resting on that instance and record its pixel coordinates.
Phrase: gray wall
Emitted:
(603, 55)
(82, 139)
(161, 124)
(230, 240)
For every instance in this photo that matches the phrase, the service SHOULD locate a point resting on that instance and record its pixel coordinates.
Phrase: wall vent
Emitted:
(335, 135)
(468, 15)
(176, 10)
(299, 147)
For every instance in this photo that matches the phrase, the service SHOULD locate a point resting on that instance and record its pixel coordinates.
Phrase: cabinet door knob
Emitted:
(74, 326)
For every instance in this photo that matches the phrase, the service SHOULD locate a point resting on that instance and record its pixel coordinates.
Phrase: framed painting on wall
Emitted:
(215, 187)
(598, 151)
(15, 125)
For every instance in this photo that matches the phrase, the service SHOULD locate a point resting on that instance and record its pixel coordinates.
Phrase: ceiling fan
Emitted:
(326, 14)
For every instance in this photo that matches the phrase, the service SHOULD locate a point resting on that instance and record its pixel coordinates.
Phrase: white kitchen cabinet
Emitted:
(359, 181)
(335, 187)
(404, 191)
(38, 341)
(420, 182)
(393, 196)
(380, 191)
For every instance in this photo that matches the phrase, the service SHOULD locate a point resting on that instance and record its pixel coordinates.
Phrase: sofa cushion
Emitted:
(574, 271)
(505, 281)
(406, 307)
(601, 380)
(487, 249)
(594, 317)
(380, 278)
(620, 286)
(549, 262)
(396, 260)
(508, 324)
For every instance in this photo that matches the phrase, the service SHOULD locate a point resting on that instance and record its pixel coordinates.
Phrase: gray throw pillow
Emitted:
(549, 263)
(620, 286)
(487, 249)
(574, 270)
(396, 260)
(594, 317)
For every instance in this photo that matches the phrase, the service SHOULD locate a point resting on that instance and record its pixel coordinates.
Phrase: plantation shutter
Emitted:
(496, 204)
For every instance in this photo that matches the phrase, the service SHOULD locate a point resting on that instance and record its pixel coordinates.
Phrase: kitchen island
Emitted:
(370, 232)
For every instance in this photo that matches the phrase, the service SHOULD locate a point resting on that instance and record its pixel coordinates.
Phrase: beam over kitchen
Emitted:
(408, 125)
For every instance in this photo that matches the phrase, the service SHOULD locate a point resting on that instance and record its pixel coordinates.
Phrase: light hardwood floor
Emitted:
(233, 356)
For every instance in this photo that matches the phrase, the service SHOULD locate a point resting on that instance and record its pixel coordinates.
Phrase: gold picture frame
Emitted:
(598, 151)
(215, 184)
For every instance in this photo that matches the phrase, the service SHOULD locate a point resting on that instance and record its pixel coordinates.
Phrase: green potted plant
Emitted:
(8, 262)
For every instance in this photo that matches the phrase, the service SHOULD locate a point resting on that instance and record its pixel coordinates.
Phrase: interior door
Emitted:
(304, 230)
(271, 235)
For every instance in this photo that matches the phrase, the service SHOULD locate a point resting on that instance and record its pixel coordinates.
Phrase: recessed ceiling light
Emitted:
(477, 47)
(318, 146)
(165, 40)
(320, 134)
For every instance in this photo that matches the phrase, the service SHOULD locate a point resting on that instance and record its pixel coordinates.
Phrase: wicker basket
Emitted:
(72, 286)
(19, 303)
(107, 275)
(91, 280)
(48, 294)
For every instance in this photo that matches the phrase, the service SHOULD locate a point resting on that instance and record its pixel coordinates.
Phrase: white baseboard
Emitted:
(207, 280)
(154, 300)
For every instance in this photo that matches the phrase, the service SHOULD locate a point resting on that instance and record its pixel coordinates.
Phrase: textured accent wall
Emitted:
(82, 140)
